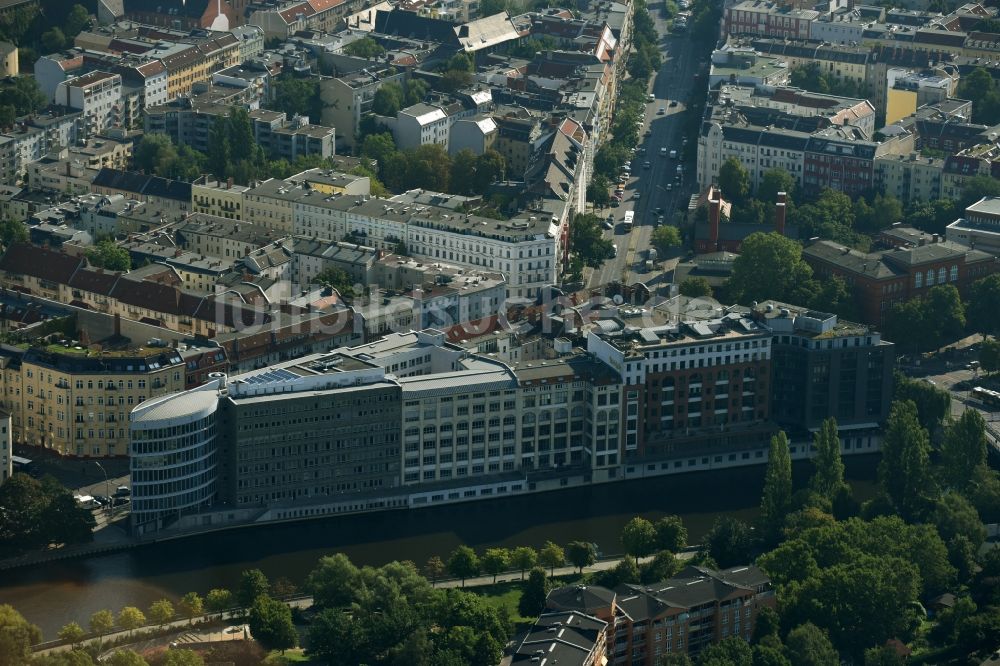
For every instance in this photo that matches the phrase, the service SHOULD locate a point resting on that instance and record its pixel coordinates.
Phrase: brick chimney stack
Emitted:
(714, 215)
(779, 214)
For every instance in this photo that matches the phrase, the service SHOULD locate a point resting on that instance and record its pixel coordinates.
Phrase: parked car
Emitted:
(673, 103)
(646, 164)
(659, 220)
(661, 111)
(122, 491)
(119, 501)
(651, 97)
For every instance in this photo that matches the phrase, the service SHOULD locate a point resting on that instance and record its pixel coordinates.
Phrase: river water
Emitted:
(54, 594)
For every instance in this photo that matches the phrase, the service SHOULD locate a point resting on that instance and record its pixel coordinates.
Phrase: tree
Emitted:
(191, 606)
(460, 62)
(220, 150)
(253, 583)
(434, 568)
(416, 91)
(490, 167)
(177, 657)
(125, 658)
(774, 181)
(536, 590)
(674, 659)
(17, 635)
(8, 115)
(767, 624)
(495, 561)
(334, 581)
(581, 554)
(463, 563)
(734, 180)
(366, 48)
(983, 306)
(271, 624)
(638, 538)
(53, 40)
(12, 231)
(980, 88)
(769, 655)
(25, 95)
(388, 99)
(428, 167)
(809, 645)
(463, 171)
(76, 20)
(955, 516)
(218, 600)
(946, 311)
(110, 256)
(71, 633)
(523, 558)
(885, 655)
(336, 278)
(770, 266)
(695, 287)
(102, 622)
(828, 474)
(933, 404)
(587, 241)
(160, 612)
(777, 496)
(989, 356)
(963, 450)
(599, 190)
(671, 534)
(732, 651)
(551, 556)
(282, 587)
(729, 542)
(834, 295)
(297, 96)
(904, 472)
(665, 238)
(131, 618)
(662, 566)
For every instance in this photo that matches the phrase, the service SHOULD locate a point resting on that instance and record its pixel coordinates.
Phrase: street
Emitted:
(671, 84)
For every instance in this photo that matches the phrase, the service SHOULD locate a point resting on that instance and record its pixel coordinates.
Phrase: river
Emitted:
(54, 594)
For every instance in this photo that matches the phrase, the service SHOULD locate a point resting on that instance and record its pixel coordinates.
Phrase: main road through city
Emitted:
(673, 83)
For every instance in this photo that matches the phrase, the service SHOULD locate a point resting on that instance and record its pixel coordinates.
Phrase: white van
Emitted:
(614, 250)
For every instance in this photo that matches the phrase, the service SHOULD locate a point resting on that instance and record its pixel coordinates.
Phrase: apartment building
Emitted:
(909, 178)
(218, 236)
(841, 62)
(691, 387)
(421, 125)
(188, 64)
(313, 256)
(285, 19)
(6, 443)
(520, 138)
(348, 97)
(761, 18)
(218, 198)
(570, 638)
(33, 137)
(823, 366)
(685, 614)
(883, 278)
(75, 402)
(251, 40)
(478, 134)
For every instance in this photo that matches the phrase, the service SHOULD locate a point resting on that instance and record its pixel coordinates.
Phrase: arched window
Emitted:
(941, 276)
(918, 280)
(930, 277)
(954, 273)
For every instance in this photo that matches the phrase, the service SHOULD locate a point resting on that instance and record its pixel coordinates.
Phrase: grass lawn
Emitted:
(296, 656)
(504, 595)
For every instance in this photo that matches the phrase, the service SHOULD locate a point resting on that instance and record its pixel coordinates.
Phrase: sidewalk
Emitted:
(185, 625)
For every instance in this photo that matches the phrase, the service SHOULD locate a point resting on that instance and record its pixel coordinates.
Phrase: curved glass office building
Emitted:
(174, 455)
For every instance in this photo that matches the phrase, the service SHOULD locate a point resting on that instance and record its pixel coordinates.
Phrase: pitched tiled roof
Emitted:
(39, 262)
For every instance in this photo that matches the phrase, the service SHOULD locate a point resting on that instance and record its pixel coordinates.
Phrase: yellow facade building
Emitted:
(75, 401)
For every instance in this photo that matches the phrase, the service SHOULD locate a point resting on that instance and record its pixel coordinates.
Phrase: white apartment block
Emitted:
(420, 125)
(98, 95)
(525, 249)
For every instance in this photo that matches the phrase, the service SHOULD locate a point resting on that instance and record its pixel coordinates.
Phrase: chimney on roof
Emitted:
(229, 183)
(779, 213)
(922, 240)
(714, 215)
(118, 325)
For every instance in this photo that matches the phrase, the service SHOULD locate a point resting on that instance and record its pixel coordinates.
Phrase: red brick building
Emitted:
(883, 278)
(696, 608)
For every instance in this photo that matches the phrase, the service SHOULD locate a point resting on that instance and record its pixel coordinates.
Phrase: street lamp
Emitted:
(107, 486)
